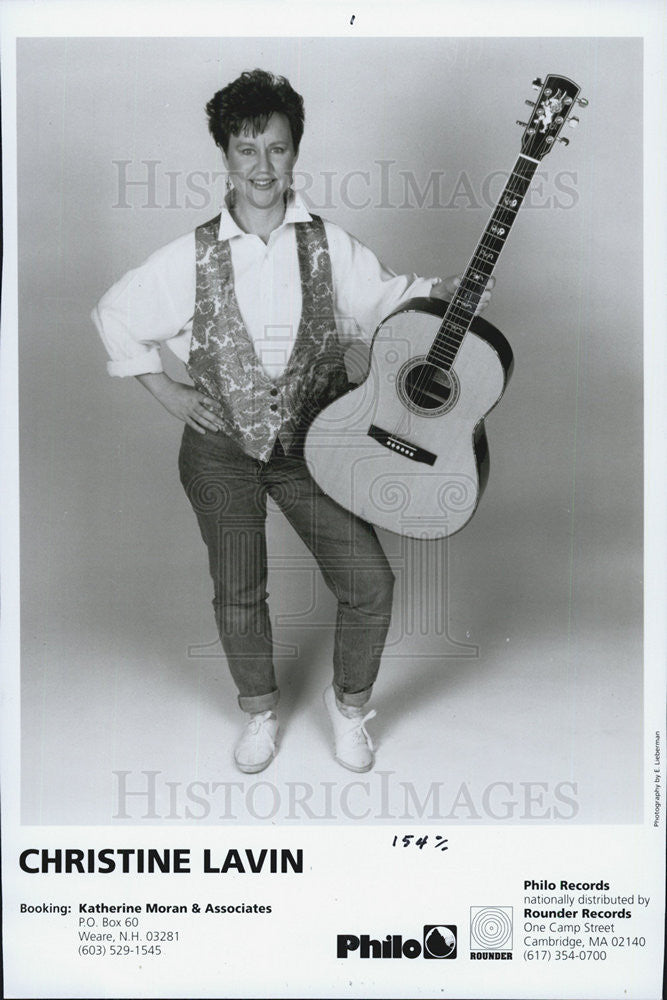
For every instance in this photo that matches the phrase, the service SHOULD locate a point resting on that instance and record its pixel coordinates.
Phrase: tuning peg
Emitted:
(582, 102)
(523, 124)
(566, 141)
(537, 83)
(573, 122)
(531, 104)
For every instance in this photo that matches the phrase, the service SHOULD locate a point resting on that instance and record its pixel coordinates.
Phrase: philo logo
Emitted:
(438, 941)
(491, 933)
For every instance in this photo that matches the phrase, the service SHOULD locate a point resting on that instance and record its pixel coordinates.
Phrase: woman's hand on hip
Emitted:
(185, 402)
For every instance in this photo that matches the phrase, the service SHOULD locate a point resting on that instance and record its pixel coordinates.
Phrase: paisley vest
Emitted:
(223, 363)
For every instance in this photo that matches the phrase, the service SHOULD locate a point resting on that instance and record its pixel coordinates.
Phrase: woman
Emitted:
(260, 302)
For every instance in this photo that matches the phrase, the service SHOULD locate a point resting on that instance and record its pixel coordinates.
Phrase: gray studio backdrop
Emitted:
(516, 651)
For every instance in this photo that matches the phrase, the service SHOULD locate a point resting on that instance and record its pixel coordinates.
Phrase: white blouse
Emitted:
(154, 304)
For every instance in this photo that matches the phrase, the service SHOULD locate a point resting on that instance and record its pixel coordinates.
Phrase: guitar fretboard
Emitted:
(461, 309)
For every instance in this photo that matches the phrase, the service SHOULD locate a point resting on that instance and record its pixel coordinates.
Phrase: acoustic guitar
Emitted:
(406, 449)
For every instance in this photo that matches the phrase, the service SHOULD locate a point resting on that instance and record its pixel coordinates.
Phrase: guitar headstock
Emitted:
(553, 108)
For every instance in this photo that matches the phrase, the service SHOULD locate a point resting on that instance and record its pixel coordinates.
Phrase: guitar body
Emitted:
(406, 450)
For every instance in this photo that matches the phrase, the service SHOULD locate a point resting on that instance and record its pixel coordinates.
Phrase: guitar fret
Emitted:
(434, 356)
(495, 241)
(451, 344)
(465, 306)
(461, 310)
(445, 343)
(446, 349)
(476, 278)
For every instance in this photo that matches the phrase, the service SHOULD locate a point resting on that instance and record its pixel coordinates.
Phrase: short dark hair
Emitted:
(249, 101)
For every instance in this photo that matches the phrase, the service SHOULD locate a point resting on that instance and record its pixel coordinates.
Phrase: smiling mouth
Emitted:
(262, 185)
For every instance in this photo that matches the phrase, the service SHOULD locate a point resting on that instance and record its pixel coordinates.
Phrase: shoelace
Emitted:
(256, 726)
(357, 729)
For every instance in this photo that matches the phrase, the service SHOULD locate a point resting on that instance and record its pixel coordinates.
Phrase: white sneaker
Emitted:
(353, 745)
(257, 746)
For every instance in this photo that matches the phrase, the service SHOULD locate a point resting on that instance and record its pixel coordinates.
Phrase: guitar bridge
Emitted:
(401, 446)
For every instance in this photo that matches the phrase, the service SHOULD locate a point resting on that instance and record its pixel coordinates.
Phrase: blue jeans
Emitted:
(228, 491)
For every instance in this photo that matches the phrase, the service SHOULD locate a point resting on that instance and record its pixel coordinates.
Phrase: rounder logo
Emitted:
(440, 941)
(491, 927)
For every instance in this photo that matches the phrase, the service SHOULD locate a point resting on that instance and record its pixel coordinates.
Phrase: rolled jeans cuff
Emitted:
(259, 702)
(355, 699)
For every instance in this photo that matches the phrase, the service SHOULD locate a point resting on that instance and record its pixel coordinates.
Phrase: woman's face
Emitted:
(260, 166)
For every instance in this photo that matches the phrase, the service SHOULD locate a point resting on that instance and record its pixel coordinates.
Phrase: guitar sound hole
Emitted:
(426, 388)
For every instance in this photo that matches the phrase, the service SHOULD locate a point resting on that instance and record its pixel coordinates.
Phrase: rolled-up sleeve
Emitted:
(365, 291)
(149, 306)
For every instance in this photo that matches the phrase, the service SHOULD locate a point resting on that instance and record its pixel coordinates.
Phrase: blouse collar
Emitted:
(295, 211)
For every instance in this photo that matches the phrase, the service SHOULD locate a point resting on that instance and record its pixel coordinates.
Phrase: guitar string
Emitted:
(491, 243)
(502, 215)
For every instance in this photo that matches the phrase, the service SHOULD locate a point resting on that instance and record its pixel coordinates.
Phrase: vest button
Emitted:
(274, 392)
(273, 407)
